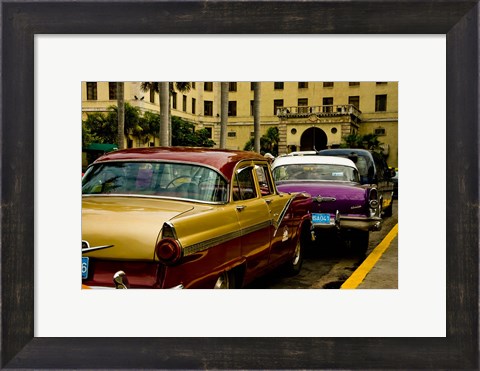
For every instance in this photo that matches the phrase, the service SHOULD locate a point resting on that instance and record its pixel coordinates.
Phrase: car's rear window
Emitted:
(178, 180)
(329, 172)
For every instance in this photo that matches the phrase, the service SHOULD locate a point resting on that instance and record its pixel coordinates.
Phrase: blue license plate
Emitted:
(320, 218)
(84, 268)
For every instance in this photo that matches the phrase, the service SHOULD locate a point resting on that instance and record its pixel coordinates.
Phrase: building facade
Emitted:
(309, 115)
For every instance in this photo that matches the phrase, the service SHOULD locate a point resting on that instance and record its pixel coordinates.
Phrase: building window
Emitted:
(184, 103)
(129, 143)
(91, 91)
(232, 108)
(278, 85)
(303, 85)
(194, 85)
(379, 131)
(251, 107)
(328, 84)
(208, 86)
(232, 134)
(302, 103)
(355, 83)
(232, 86)
(194, 105)
(112, 90)
(354, 101)
(152, 96)
(380, 103)
(382, 83)
(327, 104)
(208, 108)
(174, 100)
(277, 103)
(252, 86)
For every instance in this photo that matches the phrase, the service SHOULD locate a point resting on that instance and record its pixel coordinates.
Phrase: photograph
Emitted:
(248, 184)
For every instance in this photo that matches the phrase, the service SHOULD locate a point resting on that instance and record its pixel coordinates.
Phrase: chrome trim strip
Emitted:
(205, 245)
(95, 248)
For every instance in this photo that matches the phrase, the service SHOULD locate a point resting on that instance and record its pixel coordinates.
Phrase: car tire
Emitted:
(225, 281)
(294, 265)
(389, 210)
(359, 242)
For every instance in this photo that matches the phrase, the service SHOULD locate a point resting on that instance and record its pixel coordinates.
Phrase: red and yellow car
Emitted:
(187, 218)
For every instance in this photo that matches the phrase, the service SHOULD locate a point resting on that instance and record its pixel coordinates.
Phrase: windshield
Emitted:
(296, 172)
(178, 180)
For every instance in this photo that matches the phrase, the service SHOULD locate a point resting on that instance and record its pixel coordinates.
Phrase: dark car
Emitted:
(395, 185)
(373, 169)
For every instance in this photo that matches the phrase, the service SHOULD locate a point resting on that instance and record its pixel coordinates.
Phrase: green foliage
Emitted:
(96, 128)
(184, 134)
(183, 87)
(268, 142)
(367, 141)
(87, 137)
(102, 128)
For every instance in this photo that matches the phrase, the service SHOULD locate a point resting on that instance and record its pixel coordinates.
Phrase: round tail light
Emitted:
(168, 251)
(373, 198)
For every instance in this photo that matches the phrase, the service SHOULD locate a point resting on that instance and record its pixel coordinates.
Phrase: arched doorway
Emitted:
(313, 139)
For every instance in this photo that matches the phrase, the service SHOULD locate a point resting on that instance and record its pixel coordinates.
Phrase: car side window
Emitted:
(264, 180)
(244, 185)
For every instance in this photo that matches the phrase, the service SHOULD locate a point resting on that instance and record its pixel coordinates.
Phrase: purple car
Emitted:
(341, 203)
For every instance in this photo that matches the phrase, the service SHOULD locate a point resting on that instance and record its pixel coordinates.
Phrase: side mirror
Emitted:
(392, 173)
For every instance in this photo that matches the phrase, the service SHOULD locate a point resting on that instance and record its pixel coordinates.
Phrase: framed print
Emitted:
(21, 22)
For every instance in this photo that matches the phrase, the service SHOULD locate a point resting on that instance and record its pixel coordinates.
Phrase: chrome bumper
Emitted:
(362, 223)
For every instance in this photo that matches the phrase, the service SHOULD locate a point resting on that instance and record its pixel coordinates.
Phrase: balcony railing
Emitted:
(320, 111)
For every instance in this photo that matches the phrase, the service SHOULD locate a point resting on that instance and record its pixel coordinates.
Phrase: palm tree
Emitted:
(164, 114)
(165, 98)
(256, 116)
(121, 115)
(223, 113)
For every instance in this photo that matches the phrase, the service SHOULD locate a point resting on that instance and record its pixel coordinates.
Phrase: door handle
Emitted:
(268, 200)
(240, 207)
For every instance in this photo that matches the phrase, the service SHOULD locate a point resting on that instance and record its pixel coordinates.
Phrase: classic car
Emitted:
(341, 204)
(395, 184)
(177, 217)
(373, 169)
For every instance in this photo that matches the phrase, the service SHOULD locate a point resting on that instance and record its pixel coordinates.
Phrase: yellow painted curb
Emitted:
(359, 275)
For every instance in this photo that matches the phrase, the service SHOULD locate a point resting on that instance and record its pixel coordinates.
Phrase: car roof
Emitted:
(301, 153)
(221, 159)
(332, 160)
(345, 151)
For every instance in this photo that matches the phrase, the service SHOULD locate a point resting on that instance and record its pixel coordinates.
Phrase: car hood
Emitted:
(131, 224)
(349, 197)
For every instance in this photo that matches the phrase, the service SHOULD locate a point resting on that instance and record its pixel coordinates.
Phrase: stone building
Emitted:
(309, 115)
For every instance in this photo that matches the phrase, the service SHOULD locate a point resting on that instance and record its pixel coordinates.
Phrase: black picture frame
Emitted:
(458, 20)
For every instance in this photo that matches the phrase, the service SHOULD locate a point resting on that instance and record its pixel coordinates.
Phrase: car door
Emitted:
(280, 231)
(254, 220)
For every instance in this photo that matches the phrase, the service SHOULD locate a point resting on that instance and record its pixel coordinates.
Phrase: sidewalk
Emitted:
(380, 268)
(384, 275)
